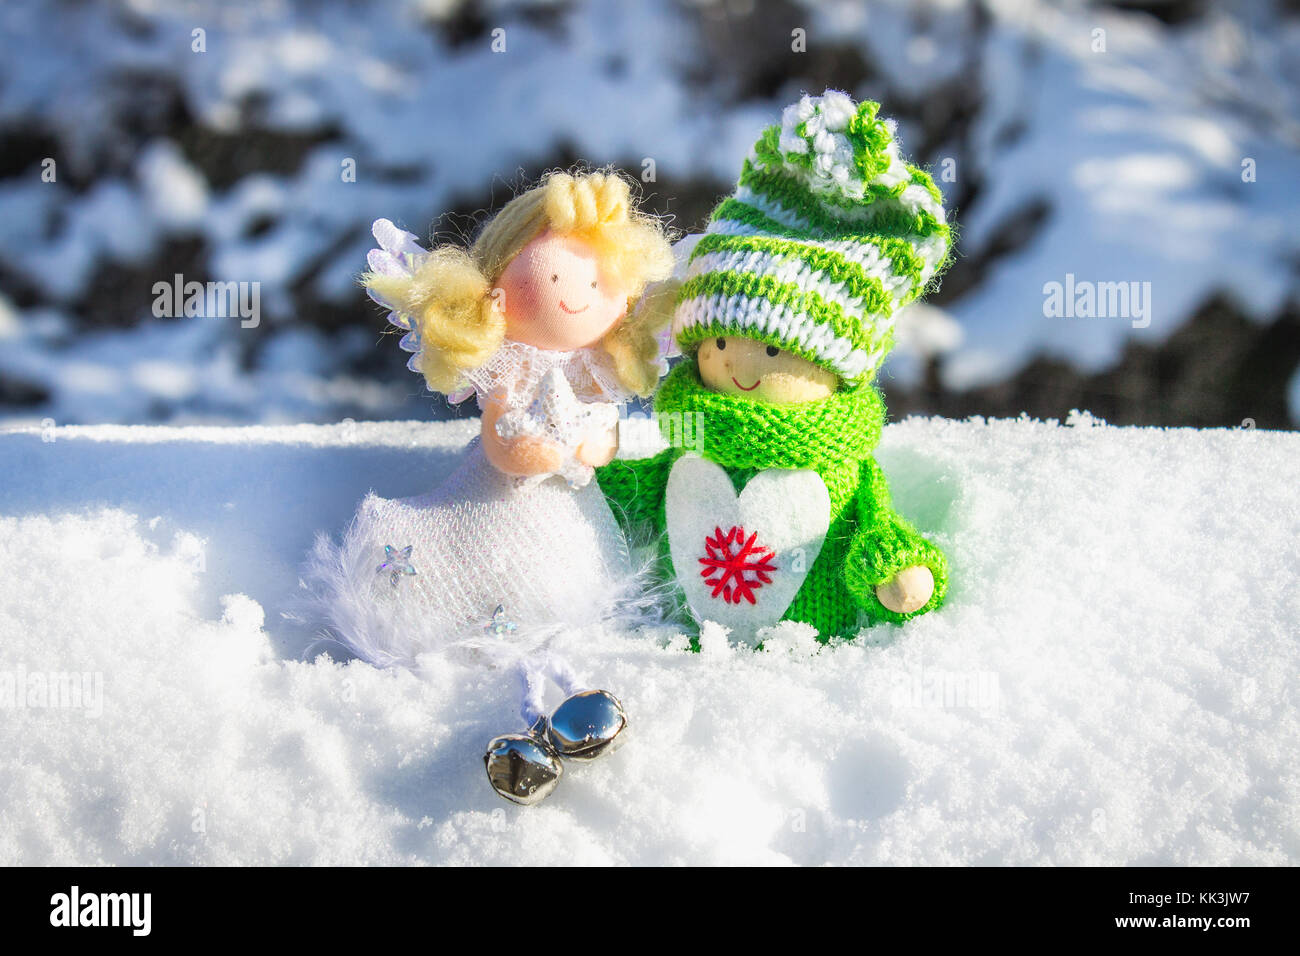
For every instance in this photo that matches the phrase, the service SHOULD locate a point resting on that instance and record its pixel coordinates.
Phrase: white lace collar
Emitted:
(517, 368)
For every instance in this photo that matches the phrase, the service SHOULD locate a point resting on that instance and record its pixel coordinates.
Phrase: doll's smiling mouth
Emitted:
(574, 311)
(747, 388)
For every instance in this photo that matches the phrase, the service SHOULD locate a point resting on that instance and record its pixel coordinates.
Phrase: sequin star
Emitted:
(499, 624)
(396, 563)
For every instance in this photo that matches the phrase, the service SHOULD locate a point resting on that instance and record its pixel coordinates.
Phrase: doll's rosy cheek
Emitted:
(529, 272)
(514, 295)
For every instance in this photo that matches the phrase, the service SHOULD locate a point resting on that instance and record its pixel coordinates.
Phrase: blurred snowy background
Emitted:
(1154, 142)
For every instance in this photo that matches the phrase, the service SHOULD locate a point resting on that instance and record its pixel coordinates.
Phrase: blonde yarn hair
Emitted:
(450, 295)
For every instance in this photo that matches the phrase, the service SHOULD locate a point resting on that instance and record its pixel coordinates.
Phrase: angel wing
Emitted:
(399, 254)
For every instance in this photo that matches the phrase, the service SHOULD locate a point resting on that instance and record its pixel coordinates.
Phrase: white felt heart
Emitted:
(740, 559)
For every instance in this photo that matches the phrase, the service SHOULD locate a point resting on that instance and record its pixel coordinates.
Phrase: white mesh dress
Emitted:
(546, 548)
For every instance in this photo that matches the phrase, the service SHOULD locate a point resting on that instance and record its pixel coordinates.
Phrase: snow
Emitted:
(1136, 152)
(1111, 681)
(1140, 154)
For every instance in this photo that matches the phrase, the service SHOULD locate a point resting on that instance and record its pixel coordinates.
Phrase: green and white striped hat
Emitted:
(828, 235)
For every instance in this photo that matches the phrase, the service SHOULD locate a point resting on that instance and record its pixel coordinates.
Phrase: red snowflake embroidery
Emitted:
(734, 565)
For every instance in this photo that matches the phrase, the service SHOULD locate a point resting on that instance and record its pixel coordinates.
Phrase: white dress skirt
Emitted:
(546, 553)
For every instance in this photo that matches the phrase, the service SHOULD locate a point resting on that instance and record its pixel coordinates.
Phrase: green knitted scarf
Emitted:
(743, 433)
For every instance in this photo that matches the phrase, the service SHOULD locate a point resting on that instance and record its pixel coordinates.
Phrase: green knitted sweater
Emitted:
(866, 543)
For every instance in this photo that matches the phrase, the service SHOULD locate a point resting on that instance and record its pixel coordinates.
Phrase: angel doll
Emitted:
(536, 320)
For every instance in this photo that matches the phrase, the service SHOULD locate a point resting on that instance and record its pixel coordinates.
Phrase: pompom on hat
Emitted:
(829, 234)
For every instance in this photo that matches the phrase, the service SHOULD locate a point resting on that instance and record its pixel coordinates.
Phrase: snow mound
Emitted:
(1110, 681)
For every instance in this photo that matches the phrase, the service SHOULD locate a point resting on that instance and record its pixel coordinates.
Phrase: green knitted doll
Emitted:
(768, 504)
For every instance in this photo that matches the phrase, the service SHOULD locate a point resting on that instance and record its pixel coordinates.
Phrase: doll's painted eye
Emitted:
(773, 351)
(721, 344)
(555, 277)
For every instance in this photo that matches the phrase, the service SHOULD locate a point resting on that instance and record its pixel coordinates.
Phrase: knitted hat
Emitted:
(828, 235)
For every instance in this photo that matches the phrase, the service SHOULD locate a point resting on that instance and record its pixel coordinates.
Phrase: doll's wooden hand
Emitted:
(599, 449)
(908, 590)
(521, 456)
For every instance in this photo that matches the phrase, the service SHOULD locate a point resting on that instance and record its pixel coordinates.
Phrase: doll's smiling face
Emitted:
(740, 366)
(555, 295)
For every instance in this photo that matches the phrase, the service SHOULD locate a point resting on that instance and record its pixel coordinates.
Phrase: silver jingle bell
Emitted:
(522, 768)
(587, 725)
